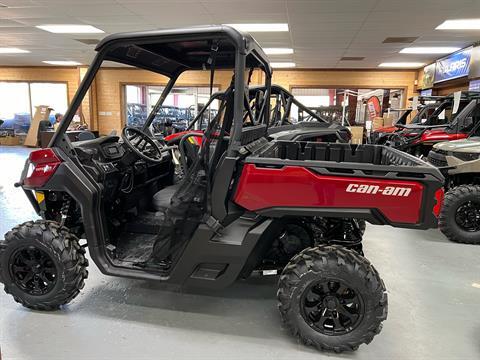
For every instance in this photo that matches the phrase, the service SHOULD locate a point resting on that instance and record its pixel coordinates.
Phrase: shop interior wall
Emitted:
(445, 88)
(359, 79)
(103, 109)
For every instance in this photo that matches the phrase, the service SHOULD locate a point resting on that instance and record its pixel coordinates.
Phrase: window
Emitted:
(51, 94)
(19, 99)
(360, 105)
(178, 110)
(15, 106)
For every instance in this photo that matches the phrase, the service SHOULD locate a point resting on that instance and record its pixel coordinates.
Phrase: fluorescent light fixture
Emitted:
(280, 65)
(62, 62)
(278, 51)
(460, 24)
(70, 29)
(260, 27)
(11, 50)
(401, 64)
(430, 50)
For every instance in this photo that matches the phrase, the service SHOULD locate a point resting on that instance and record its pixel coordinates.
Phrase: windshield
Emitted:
(423, 114)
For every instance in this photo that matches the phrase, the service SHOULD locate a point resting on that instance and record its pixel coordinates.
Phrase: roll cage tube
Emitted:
(113, 48)
(216, 96)
(77, 100)
(160, 101)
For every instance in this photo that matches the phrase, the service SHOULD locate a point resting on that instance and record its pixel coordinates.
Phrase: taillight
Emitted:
(439, 195)
(43, 165)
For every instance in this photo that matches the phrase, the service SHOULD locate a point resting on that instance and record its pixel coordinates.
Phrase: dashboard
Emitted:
(112, 151)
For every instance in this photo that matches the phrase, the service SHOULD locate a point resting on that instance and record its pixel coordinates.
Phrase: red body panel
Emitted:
(437, 135)
(386, 129)
(293, 186)
(179, 135)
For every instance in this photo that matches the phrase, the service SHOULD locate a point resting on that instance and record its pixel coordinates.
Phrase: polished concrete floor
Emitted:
(434, 306)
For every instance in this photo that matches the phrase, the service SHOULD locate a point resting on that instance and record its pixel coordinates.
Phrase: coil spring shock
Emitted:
(64, 210)
(344, 232)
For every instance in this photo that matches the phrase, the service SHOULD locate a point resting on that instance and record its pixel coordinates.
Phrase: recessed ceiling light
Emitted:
(278, 51)
(401, 64)
(62, 62)
(70, 29)
(260, 27)
(460, 24)
(282, 64)
(430, 50)
(11, 50)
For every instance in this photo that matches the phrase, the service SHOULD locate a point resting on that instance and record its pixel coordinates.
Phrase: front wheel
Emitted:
(332, 298)
(42, 265)
(459, 219)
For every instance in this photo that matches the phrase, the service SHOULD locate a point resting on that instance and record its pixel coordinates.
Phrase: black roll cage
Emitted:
(138, 44)
(286, 100)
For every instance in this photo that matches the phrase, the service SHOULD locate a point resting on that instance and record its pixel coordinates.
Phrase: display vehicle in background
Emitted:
(424, 116)
(119, 194)
(459, 161)
(306, 126)
(443, 126)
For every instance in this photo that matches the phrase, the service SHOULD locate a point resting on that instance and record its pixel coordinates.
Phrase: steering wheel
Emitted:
(141, 144)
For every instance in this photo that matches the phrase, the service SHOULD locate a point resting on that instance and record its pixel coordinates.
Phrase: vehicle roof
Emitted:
(173, 51)
(466, 94)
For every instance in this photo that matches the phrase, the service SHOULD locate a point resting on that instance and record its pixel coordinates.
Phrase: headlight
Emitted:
(466, 156)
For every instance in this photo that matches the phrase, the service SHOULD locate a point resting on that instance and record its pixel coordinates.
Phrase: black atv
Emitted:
(246, 204)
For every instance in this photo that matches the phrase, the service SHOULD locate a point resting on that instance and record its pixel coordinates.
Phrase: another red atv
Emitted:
(119, 195)
(426, 108)
(419, 139)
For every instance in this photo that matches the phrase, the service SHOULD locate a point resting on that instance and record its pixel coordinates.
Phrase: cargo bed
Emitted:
(376, 183)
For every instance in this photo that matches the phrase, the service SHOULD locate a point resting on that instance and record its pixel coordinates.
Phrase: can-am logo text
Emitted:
(375, 189)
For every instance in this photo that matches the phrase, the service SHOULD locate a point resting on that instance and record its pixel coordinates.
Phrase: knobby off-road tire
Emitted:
(60, 270)
(461, 201)
(327, 278)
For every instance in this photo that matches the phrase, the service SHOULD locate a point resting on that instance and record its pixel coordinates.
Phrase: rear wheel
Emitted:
(459, 219)
(332, 298)
(42, 265)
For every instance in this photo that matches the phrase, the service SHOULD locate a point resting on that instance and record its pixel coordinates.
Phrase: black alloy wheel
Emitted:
(459, 218)
(33, 270)
(468, 216)
(332, 307)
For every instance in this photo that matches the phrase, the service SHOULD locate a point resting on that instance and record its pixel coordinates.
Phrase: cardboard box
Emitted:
(9, 140)
(388, 120)
(357, 134)
(42, 112)
(377, 123)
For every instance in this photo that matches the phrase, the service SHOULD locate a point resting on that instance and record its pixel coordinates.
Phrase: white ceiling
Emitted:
(321, 31)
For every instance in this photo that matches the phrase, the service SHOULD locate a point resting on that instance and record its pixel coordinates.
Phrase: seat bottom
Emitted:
(162, 199)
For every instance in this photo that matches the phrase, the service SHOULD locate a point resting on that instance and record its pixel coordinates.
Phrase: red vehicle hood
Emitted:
(437, 135)
(178, 135)
(386, 129)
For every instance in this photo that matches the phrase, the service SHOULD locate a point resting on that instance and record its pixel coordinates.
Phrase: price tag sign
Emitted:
(456, 101)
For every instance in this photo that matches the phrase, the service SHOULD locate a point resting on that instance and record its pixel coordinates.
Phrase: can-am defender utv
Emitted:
(419, 139)
(459, 161)
(195, 233)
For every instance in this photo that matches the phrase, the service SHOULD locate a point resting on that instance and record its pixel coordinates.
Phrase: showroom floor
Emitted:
(433, 284)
